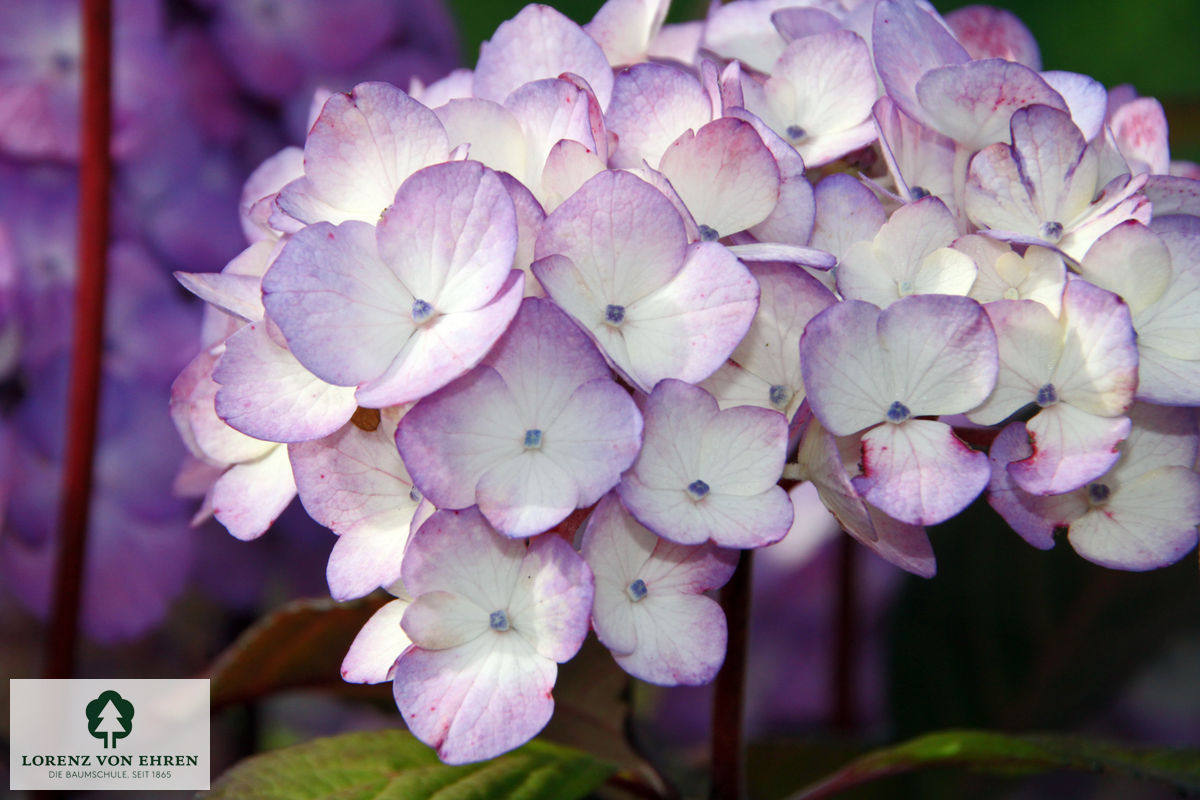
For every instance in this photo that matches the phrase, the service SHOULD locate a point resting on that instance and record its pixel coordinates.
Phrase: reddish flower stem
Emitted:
(728, 749)
(87, 336)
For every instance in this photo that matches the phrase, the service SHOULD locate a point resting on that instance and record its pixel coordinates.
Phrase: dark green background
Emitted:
(1155, 46)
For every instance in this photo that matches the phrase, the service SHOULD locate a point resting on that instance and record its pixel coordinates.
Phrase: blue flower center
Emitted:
(898, 412)
(708, 234)
(415, 495)
(1047, 395)
(614, 315)
(533, 439)
(918, 192)
(636, 590)
(1051, 231)
(498, 620)
(779, 396)
(421, 311)
(1098, 492)
(795, 133)
(697, 489)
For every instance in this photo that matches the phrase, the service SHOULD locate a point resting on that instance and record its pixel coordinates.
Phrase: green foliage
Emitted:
(392, 765)
(1014, 755)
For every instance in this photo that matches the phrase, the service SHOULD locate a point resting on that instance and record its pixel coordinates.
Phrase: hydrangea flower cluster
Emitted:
(544, 342)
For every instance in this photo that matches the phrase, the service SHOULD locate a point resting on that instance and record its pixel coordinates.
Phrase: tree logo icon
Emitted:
(110, 717)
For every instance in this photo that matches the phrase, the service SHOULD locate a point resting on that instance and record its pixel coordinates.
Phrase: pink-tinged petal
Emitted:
(909, 255)
(267, 179)
(846, 212)
(526, 495)
(1147, 523)
(797, 22)
(360, 149)
(728, 520)
(988, 32)
(719, 297)
(1173, 195)
(616, 548)
(1086, 99)
(194, 413)
(679, 41)
(1030, 344)
(1097, 372)
(680, 640)
(623, 236)
(477, 701)
(821, 460)
(1070, 448)
(551, 110)
(266, 393)
(972, 103)
(791, 221)
(238, 295)
(920, 159)
(341, 309)
(595, 438)
(355, 477)
(691, 570)
(1140, 127)
(625, 28)
(530, 217)
(568, 166)
(456, 85)
(908, 42)
(445, 555)
(439, 620)
(767, 253)
(452, 438)
(652, 105)
(249, 496)
(843, 368)
(378, 644)
(489, 128)
(1161, 436)
(368, 557)
(1130, 261)
(743, 450)
(767, 356)
(544, 357)
(1034, 517)
(539, 42)
(450, 237)
(744, 31)
(919, 472)
(552, 598)
(821, 91)
(725, 175)
(676, 415)
(444, 348)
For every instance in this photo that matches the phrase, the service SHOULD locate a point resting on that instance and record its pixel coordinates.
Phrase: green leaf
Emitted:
(392, 765)
(301, 645)
(1014, 755)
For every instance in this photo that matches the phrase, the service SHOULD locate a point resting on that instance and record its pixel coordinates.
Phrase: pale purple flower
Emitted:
(1079, 368)
(616, 258)
(925, 355)
(705, 474)
(650, 608)
(400, 310)
(536, 431)
(489, 619)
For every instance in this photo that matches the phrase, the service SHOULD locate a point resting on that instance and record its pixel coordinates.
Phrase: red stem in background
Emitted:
(728, 749)
(88, 336)
(845, 656)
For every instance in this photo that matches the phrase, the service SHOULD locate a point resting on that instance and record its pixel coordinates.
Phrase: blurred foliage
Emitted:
(1149, 45)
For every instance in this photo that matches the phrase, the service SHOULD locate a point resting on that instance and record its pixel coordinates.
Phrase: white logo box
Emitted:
(97, 733)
